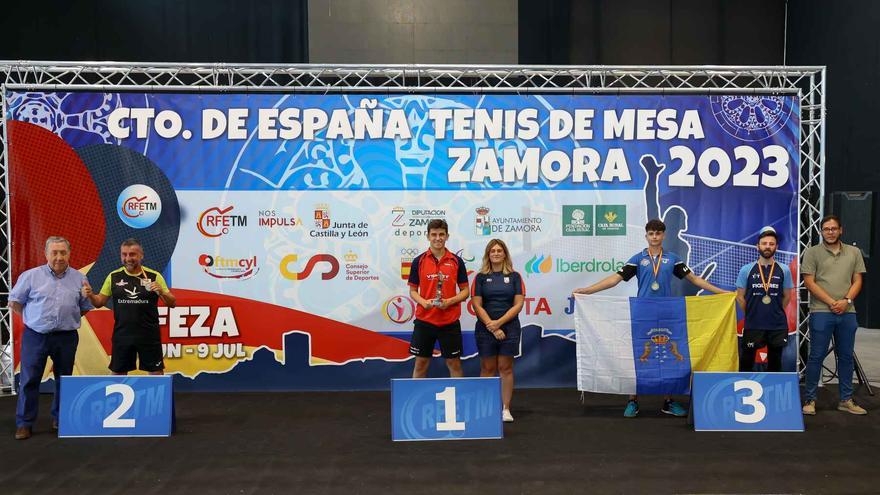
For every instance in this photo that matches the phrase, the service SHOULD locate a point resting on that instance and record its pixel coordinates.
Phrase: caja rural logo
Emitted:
(216, 221)
(138, 206)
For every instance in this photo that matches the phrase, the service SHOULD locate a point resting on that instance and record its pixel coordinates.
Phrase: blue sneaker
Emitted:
(674, 408)
(632, 409)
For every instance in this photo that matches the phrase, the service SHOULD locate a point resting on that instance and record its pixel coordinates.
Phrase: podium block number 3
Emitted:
(753, 399)
(447, 396)
(114, 420)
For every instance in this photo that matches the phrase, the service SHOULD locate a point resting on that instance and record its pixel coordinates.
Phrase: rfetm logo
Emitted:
(399, 309)
(138, 206)
(215, 221)
(327, 259)
(539, 264)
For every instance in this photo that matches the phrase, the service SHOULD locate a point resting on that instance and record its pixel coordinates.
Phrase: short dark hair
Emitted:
(131, 241)
(437, 223)
(656, 225)
(829, 218)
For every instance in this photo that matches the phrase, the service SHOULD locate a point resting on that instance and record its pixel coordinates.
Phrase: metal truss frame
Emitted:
(806, 82)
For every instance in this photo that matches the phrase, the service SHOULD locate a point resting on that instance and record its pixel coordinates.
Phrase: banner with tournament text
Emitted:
(286, 223)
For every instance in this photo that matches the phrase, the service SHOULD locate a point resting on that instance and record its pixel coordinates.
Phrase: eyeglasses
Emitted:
(830, 229)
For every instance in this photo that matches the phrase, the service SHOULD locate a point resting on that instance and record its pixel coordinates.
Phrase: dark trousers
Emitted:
(35, 348)
(747, 359)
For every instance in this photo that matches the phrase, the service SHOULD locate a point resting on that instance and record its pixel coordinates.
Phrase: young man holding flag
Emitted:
(653, 268)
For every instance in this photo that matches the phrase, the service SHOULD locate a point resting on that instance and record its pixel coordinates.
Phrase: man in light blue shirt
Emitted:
(50, 301)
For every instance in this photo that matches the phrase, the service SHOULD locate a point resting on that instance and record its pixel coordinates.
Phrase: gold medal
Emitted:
(655, 286)
(766, 300)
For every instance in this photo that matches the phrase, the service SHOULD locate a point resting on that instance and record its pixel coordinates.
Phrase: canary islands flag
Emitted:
(650, 345)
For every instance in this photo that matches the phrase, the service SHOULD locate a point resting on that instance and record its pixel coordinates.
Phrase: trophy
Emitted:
(439, 299)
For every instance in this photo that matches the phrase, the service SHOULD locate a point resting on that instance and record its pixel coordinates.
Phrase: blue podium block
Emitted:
(747, 402)
(446, 409)
(116, 406)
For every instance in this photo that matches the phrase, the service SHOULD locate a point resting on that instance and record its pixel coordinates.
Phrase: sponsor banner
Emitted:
(317, 205)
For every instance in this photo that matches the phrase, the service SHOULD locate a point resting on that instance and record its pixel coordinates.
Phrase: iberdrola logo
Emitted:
(538, 264)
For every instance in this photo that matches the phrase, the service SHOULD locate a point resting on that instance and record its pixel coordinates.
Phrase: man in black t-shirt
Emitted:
(135, 290)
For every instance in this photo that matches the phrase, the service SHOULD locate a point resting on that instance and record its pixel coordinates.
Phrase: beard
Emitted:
(767, 253)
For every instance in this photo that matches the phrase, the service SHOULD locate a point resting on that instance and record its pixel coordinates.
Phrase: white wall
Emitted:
(413, 31)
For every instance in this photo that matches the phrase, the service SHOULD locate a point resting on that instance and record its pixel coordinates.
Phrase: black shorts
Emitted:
(129, 352)
(425, 334)
(756, 339)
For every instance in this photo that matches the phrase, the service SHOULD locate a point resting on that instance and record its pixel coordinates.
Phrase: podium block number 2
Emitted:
(114, 420)
(753, 399)
(447, 396)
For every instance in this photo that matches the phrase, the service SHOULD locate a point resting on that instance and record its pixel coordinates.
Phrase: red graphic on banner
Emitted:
(54, 196)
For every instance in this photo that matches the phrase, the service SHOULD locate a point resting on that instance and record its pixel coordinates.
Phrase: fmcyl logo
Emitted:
(577, 220)
(138, 206)
(229, 268)
(610, 219)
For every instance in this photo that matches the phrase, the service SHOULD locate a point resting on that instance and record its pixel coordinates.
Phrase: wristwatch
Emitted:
(848, 300)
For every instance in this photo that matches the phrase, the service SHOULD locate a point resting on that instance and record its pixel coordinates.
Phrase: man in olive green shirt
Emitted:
(833, 274)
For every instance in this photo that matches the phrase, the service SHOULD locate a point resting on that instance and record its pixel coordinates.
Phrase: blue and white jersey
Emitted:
(760, 316)
(640, 266)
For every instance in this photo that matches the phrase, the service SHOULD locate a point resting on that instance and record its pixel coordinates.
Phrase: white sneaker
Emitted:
(506, 416)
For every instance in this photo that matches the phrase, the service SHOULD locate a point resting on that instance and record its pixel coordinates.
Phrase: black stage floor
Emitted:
(329, 443)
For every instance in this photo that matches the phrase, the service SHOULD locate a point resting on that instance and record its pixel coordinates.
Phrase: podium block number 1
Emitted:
(447, 396)
(114, 420)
